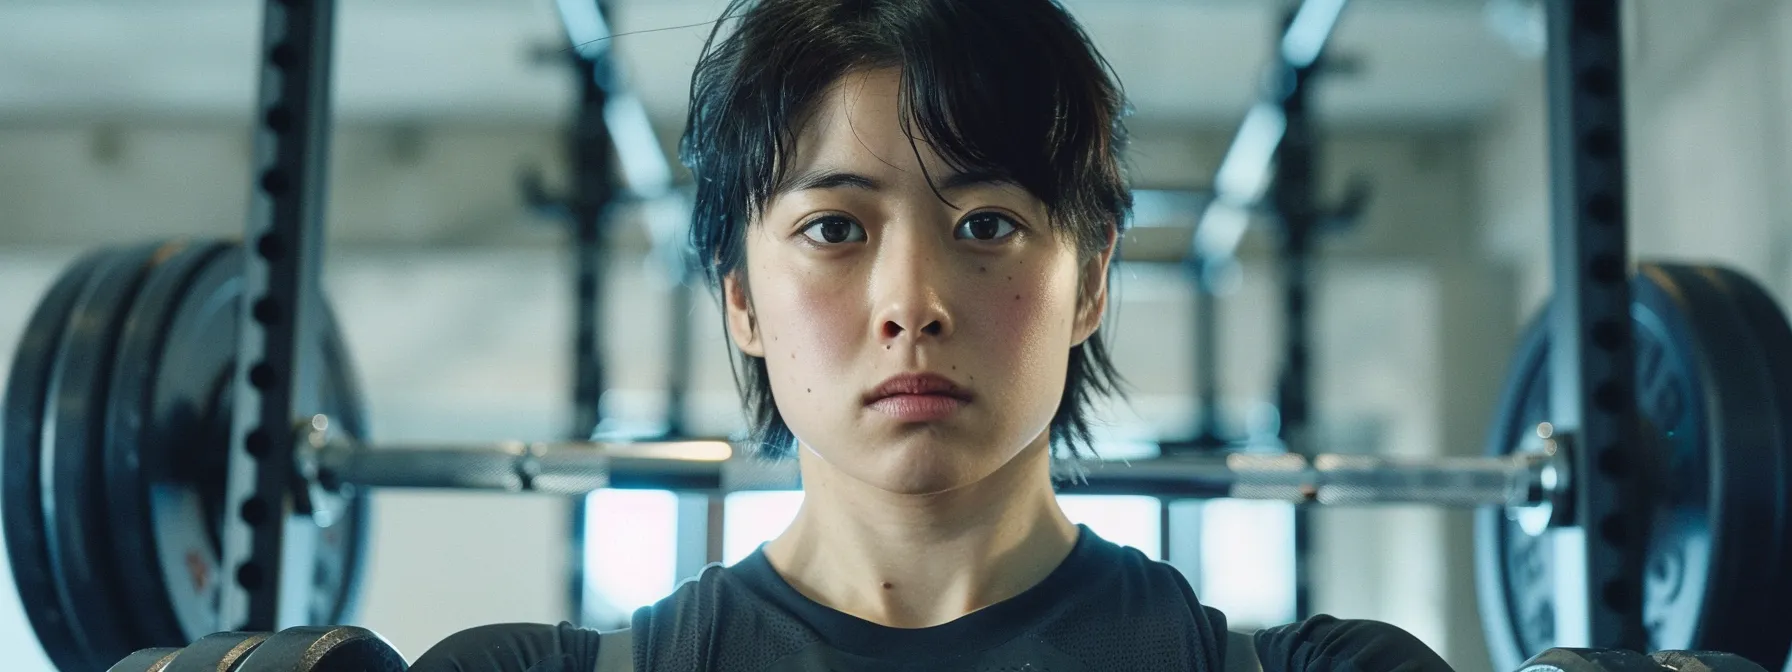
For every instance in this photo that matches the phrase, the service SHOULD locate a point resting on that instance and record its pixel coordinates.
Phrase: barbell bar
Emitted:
(1521, 479)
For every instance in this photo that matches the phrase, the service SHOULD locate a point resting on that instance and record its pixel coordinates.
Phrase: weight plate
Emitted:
(74, 514)
(1770, 325)
(1715, 451)
(217, 652)
(182, 446)
(129, 416)
(146, 660)
(1748, 565)
(22, 508)
(324, 649)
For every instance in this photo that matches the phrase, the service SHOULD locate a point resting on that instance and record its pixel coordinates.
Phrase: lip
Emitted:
(917, 397)
(917, 384)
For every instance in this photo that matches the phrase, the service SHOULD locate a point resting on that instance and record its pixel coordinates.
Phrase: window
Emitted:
(622, 577)
(1239, 554)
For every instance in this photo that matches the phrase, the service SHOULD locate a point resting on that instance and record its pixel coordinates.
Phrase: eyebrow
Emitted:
(839, 179)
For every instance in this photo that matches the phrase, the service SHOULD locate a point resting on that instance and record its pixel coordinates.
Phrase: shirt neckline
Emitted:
(979, 630)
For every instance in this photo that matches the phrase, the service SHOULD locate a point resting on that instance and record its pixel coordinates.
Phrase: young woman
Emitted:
(910, 208)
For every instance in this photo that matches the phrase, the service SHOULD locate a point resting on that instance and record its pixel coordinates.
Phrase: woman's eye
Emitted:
(834, 230)
(986, 226)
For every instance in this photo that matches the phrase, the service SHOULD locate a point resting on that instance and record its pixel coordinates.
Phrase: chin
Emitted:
(924, 467)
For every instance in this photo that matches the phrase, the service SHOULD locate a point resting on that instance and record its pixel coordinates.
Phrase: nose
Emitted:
(907, 283)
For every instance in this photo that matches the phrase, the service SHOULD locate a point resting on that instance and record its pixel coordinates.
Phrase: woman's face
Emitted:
(858, 272)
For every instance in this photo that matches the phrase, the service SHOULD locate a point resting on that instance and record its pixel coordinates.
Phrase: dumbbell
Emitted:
(343, 648)
(1614, 660)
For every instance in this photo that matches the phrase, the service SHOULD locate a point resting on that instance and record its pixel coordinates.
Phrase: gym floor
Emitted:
(455, 301)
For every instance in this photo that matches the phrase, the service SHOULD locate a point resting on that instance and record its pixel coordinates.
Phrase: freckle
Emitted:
(982, 269)
(954, 368)
(1016, 297)
(1010, 277)
(886, 347)
(887, 585)
(808, 390)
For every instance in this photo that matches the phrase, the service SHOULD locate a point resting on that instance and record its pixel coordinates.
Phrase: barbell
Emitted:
(118, 415)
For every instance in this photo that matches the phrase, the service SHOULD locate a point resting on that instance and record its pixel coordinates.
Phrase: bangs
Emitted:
(990, 86)
(1002, 99)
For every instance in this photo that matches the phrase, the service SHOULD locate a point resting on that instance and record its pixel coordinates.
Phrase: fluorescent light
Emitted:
(585, 26)
(1244, 173)
(1222, 227)
(644, 165)
(1309, 30)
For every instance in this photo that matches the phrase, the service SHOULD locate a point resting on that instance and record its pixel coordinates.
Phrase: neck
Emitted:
(913, 561)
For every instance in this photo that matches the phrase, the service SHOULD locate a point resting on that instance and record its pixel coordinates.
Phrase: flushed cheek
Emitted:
(808, 326)
(1023, 326)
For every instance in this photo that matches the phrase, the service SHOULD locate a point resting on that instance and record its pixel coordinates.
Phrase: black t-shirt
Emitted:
(1106, 607)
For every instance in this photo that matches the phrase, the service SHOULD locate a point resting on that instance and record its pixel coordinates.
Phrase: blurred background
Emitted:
(123, 121)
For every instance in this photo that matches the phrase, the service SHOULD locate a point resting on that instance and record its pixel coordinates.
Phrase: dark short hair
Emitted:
(1009, 86)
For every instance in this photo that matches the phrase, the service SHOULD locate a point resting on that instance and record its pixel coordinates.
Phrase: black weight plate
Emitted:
(1747, 590)
(324, 649)
(182, 447)
(146, 660)
(22, 509)
(1713, 454)
(129, 414)
(1768, 324)
(217, 652)
(75, 516)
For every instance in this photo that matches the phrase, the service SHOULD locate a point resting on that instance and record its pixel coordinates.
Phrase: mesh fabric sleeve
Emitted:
(514, 647)
(1326, 644)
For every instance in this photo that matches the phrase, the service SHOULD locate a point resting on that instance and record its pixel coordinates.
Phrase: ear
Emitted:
(737, 303)
(1092, 290)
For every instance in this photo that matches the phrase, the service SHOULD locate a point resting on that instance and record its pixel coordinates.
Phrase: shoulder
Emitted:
(1326, 644)
(1131, 612)
(725, 618)
(696, 597)
(1129, 570)
(515, 647)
